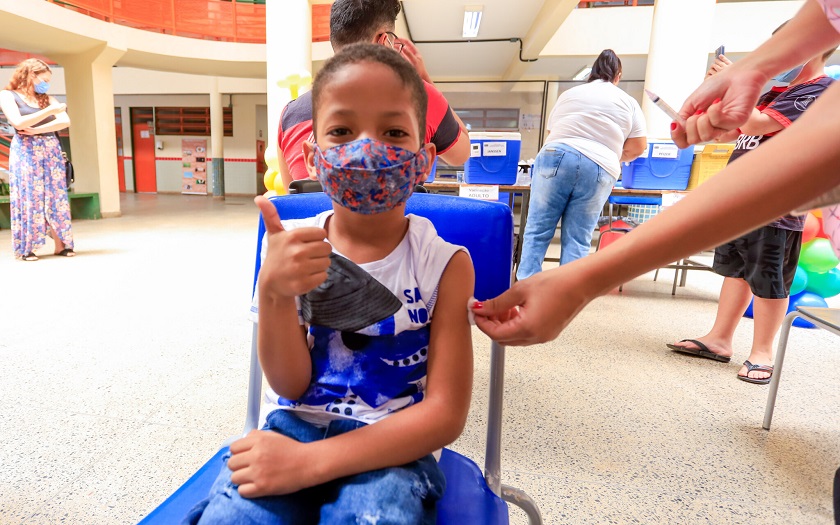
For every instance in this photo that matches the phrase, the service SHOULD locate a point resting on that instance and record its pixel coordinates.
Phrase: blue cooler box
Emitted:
(494, 158)
(662, 167)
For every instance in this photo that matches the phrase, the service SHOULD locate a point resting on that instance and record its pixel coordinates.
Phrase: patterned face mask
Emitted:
(368, 176)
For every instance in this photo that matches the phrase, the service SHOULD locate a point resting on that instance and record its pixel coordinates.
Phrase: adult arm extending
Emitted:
(729, 97)
(750, 192)
(266, 463)
(459, 153)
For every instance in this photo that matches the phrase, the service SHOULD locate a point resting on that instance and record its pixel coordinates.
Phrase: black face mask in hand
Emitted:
(349, 300)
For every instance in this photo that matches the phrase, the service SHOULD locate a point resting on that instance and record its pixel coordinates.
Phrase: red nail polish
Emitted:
(698, 112)
(739, 131)
(478, 305)
(673, 126)
(716, 101)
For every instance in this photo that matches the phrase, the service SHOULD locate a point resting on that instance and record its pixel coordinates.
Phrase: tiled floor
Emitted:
(125, 368)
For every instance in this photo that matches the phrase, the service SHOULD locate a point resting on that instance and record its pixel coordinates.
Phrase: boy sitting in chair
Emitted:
(363, 333)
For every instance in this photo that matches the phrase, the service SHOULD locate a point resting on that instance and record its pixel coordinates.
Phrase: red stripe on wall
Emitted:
(179, 159)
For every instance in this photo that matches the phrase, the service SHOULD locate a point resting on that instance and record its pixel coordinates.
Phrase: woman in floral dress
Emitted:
(39, 203)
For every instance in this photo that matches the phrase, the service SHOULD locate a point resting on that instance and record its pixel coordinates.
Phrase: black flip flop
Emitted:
(701, 350)
(66, 252)
(760, 368)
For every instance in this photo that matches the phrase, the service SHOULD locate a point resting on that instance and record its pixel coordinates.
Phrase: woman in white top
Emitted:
(592, 129)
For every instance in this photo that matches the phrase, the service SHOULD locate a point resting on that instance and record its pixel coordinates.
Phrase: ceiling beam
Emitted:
(551, 16)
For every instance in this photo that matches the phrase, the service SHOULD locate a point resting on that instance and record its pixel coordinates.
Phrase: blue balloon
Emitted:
(749, 311)
(800, 281)
(805, 299)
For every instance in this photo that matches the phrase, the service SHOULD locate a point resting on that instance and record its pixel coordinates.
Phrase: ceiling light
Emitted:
(472, 20)
(583, 74)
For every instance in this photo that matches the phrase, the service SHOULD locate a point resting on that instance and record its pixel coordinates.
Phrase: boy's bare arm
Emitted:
(266, 463)
(296, 262)
(760, 124)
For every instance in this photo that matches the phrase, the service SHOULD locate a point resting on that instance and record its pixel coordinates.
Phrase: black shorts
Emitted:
(766, 258)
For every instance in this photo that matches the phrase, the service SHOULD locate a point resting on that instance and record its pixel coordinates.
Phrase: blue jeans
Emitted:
(567, 185)
(397, 495)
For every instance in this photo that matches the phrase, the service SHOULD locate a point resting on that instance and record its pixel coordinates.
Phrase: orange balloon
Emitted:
(813, 226)
(821, 232)
(817, 213)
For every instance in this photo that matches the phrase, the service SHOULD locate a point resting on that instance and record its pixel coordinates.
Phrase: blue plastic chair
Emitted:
(486, 230)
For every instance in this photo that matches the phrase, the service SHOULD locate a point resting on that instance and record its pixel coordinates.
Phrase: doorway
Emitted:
(143, 148)
(261, 167)
(120, 151)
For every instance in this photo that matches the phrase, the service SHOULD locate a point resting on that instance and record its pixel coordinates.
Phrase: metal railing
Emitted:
(222, 20)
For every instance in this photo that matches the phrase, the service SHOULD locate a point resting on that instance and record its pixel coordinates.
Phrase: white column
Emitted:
(217, 141)
(93, 138)
(288, 50)
(680, 47)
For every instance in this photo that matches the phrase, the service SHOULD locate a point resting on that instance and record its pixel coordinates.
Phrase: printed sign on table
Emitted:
(481, 192)
(194, 153)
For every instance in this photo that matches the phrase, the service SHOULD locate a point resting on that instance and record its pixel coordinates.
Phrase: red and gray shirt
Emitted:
(784, 105)
(442, 129)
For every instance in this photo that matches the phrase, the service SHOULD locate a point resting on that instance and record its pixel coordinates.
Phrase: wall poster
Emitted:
(194, 165)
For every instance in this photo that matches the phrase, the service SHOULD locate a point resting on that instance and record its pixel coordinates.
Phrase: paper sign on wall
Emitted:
(665, 151)
(194, 152)
(480, 192)
(475, 150)
(495, 149)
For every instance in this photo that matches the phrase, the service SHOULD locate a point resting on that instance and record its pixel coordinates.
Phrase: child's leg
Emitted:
(735, 294)
(769, 315)
(734, 298)
(773, 270)
(405, 495)
(224, 505)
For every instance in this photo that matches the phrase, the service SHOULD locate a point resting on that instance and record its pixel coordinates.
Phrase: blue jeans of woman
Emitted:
(565, 185)
(392, 496)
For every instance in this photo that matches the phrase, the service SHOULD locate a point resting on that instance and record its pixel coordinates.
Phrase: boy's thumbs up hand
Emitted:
(270, 216)
(296, 261)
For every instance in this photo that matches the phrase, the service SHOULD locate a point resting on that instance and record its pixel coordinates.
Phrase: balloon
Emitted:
(821, 233)
(824, 284)
(805, 299)
(749, 311)
(812, 228)
(268, 178)
(296, 81)
(817, 213)
(271, 159)
(800, 281)
(817, 256)
(280, 189)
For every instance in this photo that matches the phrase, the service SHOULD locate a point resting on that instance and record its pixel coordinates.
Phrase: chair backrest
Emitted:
(483, 228)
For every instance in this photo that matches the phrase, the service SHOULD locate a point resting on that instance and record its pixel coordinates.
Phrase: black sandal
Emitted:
(29, 257)
(66, 252)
